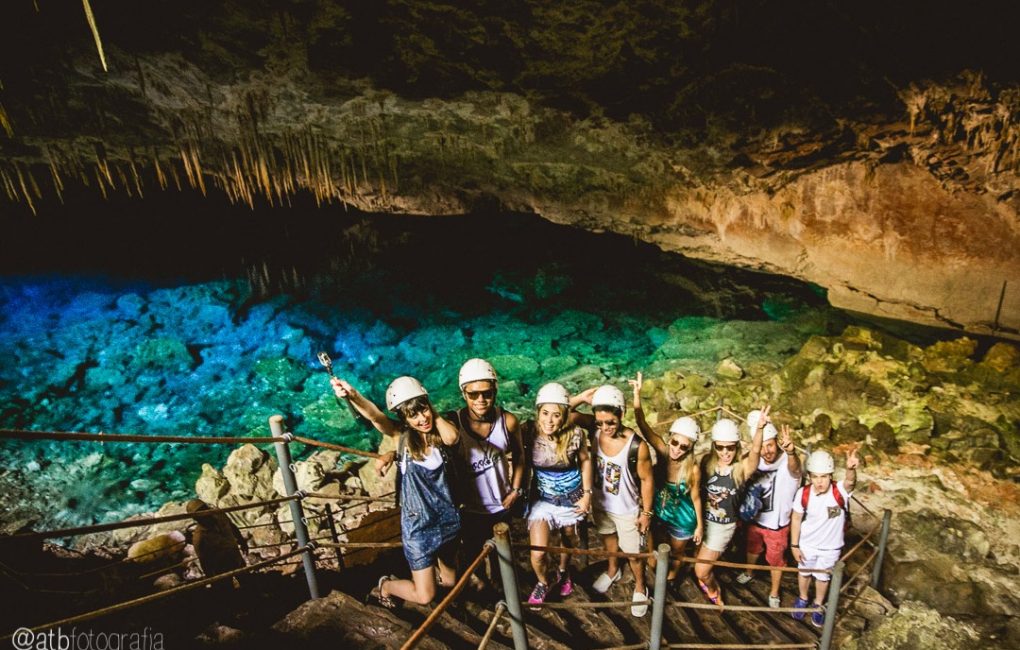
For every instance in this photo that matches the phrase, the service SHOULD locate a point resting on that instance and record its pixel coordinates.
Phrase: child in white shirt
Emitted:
(817, 522)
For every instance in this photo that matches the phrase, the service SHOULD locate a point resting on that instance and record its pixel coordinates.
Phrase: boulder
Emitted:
(729, 369)
(249, 470)
(1002, 357)
(916, 626)
(211, 485)
(166, 548)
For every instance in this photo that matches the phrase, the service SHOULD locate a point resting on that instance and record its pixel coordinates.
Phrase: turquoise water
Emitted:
(183, 357)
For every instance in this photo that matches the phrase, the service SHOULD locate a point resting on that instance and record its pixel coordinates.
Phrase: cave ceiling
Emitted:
(870, 147)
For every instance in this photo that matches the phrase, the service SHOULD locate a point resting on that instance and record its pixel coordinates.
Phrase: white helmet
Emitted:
(402, 389)
(686, 427)
(609, 396)
(476, 370)
(552, 393)
(820, 462)
(725, 430)
(752, 419)
(770, 431)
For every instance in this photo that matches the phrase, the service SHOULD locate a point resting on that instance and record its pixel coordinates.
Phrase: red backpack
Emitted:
(836, 494)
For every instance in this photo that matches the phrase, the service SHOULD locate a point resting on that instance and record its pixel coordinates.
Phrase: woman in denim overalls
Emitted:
(429, 521)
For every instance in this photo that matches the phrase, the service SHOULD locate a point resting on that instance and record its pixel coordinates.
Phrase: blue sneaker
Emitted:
(800, 602)
(818, 616)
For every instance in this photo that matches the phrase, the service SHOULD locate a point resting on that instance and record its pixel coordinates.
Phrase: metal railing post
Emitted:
(501, 538)
(296, 512)
(883, 538)
(659, 595)
(335, 538)
(830, 606)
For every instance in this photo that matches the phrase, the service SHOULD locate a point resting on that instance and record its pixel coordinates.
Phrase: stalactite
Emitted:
(58, 183)
(95, 32)
(8, 185)
(99, 181)
(160, 176)
(5, 122)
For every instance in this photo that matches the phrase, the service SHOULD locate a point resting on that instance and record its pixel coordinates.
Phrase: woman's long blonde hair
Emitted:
(561, 436)
(687, 463)
(710, 462)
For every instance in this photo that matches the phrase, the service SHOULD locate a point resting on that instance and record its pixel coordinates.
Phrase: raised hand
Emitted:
(785, 438)
(636, 384)
(764, 418)
(341, 388)
(852, 460)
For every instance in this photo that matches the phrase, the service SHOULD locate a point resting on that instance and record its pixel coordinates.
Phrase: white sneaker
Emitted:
(639, 610)
(604, 582)
(774, 602)
(744, 578)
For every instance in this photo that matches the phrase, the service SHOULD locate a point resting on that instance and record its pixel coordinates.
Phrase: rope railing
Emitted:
(581, 605)
(172, 567)
(27, 434)
(496, 615)
(87, 616)
(351, 497)
(862, 541)
(683, 558)
(740, 646)
(343, 545)
(860, 570)
(441, 607)
(109, 565)
(334, 447)
(139, 523)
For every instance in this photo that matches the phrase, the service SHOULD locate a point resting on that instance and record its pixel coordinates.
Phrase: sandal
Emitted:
(384, 601)
(716, 599)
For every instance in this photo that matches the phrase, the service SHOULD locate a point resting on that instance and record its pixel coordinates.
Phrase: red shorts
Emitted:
(773, 542)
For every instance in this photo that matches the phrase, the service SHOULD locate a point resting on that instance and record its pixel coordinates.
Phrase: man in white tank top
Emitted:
(620, 494)
(490, 441)
(779, 475)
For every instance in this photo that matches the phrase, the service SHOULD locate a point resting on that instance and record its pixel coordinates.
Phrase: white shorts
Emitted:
(555, 516)
(718, 536)
(623, 526)
(814, 558)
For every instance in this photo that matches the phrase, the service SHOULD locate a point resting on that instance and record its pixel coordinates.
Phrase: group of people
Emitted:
(462, 472)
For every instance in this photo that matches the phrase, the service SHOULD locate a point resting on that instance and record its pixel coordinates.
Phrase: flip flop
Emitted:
(716, 599)
(384, 601)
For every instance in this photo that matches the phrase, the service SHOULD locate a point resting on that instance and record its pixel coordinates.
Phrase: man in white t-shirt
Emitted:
(819, 517)
(779, 476)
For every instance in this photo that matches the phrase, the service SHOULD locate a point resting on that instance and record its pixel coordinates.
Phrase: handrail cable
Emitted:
(739, 608)
(27, 434)
(343, 545)
(496, 615)
(138, 523)
(859, 571)
(740, 646)
(330, 445)
(108, 565)
(454, 592)
(591, 604)
(158, 595)
(860, 543)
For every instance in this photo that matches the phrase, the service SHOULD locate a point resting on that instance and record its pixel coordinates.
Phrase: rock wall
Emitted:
(906, 210)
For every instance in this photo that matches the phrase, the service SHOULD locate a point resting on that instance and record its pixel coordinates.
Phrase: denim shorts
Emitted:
(678, 533)
(424, 547)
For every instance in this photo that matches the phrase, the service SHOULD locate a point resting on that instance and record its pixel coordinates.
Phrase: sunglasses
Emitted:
(676, 443)
(488, 393)
(732, 447)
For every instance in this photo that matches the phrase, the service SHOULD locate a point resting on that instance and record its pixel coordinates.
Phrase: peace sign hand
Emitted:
(852, 460)
(785, 439)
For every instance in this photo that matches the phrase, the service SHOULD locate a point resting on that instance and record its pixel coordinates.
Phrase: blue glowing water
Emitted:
(205, 358)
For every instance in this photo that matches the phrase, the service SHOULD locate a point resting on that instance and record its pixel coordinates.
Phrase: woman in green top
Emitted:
(677, 503)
